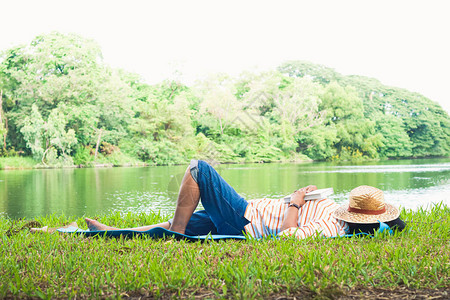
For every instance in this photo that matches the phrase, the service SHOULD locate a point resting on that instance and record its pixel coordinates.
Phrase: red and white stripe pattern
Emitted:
(314, 217)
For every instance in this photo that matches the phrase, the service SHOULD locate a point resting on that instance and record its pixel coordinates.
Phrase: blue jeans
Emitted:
(224, 207)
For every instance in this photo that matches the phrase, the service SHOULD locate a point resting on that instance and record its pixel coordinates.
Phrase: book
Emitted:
(314, 195)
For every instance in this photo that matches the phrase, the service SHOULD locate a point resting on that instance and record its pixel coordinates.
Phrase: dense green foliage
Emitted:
(62, 105)
(404, 266)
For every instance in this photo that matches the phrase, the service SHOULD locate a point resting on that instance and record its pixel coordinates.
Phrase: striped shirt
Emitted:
(266, 217)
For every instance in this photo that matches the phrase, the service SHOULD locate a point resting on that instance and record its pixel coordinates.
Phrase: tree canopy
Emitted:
(63, 105)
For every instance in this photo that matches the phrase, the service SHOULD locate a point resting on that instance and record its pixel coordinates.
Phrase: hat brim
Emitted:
(343, 214)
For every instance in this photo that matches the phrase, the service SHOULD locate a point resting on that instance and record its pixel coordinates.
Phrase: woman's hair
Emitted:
(396, 224)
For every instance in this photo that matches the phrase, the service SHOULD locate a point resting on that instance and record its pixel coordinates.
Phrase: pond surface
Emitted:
(90, 192)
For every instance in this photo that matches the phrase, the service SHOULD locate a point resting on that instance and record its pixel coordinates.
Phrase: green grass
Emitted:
(61, 266)
(116, 160)
(17, 162)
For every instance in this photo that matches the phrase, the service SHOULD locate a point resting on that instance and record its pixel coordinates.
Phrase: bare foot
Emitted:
(96, 225)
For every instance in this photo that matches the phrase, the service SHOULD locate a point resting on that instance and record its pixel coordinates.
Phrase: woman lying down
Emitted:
(227, 213)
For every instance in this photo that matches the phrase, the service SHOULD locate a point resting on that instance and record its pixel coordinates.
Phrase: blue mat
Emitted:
(157, 232)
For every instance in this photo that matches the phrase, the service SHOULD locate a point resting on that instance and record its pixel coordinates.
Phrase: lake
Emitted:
(91, 192)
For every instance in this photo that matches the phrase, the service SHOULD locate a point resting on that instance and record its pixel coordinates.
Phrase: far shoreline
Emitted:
(23, 163)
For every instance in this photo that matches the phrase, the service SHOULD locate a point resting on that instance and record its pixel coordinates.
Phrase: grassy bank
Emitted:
(413, 263)
(117, 160)
(17, 162)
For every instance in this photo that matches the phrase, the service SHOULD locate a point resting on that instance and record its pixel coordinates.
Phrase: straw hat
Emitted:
(366, 205)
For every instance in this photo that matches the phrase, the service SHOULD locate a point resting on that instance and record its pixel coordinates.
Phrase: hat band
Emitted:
(367, 211)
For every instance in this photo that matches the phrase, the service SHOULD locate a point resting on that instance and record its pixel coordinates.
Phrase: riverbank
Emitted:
(410, 264)
(20, 163)
(16, 162)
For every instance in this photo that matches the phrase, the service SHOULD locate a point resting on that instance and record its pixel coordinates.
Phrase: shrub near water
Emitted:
(57, 265)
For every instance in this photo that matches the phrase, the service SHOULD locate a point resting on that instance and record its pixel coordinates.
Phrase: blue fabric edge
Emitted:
(157, 232)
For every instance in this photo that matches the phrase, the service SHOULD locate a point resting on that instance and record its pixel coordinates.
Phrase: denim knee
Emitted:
(193, 168)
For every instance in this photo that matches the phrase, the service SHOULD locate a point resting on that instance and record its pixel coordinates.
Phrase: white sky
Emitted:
(401, 43)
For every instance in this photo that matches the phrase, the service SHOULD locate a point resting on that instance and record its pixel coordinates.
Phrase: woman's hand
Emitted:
(310, 188)
(298, 197)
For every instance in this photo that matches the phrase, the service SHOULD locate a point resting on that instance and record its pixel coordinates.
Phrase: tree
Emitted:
(423, 120)
(3, 122)
(298, 104)
(56, 93)
(162, 122)
(318, 142)
(42, 136)
(66, 72)
(396, 142)
(316, 72)
(291, 104)
(356, 136)
(218, 100)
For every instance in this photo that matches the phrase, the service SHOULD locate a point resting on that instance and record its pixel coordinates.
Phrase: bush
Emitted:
(52, 159)
(83, 155)
(108, 149)
(11, 152)
(163, 152)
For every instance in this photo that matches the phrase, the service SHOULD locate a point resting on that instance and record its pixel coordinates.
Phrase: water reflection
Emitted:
(29, 193)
